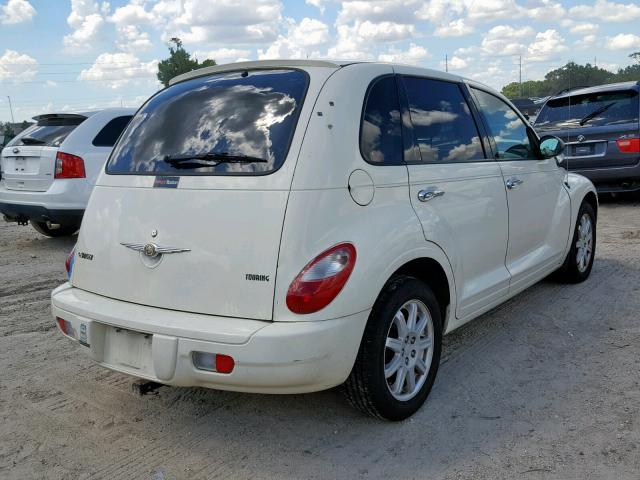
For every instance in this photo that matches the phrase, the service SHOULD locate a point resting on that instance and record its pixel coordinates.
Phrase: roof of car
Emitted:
(86, 114)
(228, 67)
(609, 87)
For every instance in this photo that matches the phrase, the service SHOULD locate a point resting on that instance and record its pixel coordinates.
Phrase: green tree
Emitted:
(179, 62)
(8, 133)
(635, 56)
(570, 76)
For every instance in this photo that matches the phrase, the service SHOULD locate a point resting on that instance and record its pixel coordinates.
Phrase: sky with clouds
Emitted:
(67, 55)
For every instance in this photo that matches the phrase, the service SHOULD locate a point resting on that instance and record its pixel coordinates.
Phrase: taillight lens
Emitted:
(68, 264)
(322, 279)
(69, 166)
(629, 145)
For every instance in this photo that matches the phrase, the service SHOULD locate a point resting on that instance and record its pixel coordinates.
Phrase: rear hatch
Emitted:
(596, 127)
(29, 160)
(189, 212)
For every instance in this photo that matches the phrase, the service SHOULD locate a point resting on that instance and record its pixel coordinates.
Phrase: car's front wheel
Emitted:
(579, 262)
(54, 230)
(399, 353)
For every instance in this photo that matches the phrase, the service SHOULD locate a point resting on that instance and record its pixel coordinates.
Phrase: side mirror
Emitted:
(551, 146)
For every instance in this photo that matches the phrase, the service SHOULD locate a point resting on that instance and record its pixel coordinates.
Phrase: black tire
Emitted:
(61, 231)
(571, 272)
(366, 388)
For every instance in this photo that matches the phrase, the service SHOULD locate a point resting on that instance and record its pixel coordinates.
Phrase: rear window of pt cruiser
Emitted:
(232, 123)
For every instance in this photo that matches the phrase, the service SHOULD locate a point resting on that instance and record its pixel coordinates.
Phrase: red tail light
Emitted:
(629, 145)
(322, 279)
(69, 166)
(62, 325)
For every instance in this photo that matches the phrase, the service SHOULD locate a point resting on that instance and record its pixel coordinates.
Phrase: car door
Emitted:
(457, 191)
(539, 205)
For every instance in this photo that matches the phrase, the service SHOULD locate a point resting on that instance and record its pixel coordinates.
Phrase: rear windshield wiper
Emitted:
(597, 112)
(192, 160)
(32, 141)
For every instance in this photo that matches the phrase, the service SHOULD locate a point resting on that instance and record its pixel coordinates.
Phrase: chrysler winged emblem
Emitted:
(152, 250)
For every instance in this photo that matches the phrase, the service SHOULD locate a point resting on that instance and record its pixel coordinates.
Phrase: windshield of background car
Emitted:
(614, 108)
(47, 133)
(242, 114)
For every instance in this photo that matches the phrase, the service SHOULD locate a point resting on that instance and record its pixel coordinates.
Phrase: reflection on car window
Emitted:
(380, 133)
(600, 109)
(250, 113)
(508, 130)
(442, 123)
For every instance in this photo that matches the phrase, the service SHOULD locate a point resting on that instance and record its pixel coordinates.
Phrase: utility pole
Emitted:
(11, 109)
(520, 75)
(446, 62)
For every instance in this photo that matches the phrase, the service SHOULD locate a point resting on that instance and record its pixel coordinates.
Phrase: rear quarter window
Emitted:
(111, 131)
(380, 130)
(239, 116)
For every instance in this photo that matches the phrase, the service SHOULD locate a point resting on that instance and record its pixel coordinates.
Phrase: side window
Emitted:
(111, 131)
(380, 132)
(509, 132)
(442, 122)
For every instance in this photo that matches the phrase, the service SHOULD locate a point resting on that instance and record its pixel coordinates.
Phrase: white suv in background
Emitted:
(48, 171)
(287, 226)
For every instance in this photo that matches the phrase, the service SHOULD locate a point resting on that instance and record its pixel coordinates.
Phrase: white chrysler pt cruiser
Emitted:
(288, 226)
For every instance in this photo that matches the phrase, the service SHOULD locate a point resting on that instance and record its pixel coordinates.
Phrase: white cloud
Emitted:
(226, 21)
(115, 70)
(16, 11)
(302, 40)
(223, 55)
(413, 55)
(458, 63)
(545, 10)
(132, 14)
(584, 28)
(86, 19)
(319, 4)
(17, 67)
(383, 31)
(455, 28)
(623, 41)
(397, 11)
(606, 11)
(131, 39)
(505, 40)
(546, 45)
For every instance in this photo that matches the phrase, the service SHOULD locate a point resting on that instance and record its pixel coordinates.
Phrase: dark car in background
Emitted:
(601, 128)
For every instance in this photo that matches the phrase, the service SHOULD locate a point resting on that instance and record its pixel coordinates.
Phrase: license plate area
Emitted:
(129, 350)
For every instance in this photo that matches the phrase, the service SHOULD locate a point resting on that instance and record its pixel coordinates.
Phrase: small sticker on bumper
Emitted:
(83, 335)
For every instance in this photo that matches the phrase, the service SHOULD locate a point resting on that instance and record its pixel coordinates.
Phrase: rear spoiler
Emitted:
(59, 116)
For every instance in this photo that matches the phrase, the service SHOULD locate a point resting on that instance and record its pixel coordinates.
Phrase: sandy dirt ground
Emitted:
(546, 386)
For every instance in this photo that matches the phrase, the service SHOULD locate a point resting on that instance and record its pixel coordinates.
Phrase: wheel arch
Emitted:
(592, 199)
(437, 276)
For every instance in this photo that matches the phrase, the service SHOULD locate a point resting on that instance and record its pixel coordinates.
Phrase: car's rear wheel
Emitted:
(399, 353)
(54, 230)
(579, 262)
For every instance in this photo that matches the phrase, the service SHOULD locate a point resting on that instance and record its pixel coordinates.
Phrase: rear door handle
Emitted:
(429, 194)
(513, 182)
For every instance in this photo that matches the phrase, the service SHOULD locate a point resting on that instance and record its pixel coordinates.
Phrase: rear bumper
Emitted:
(64, 201)
(613, 179)
(18, 212)
(270, 357)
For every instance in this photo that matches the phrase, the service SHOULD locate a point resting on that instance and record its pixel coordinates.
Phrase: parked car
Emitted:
(287, 226)
(49, 170)
(601, 127)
